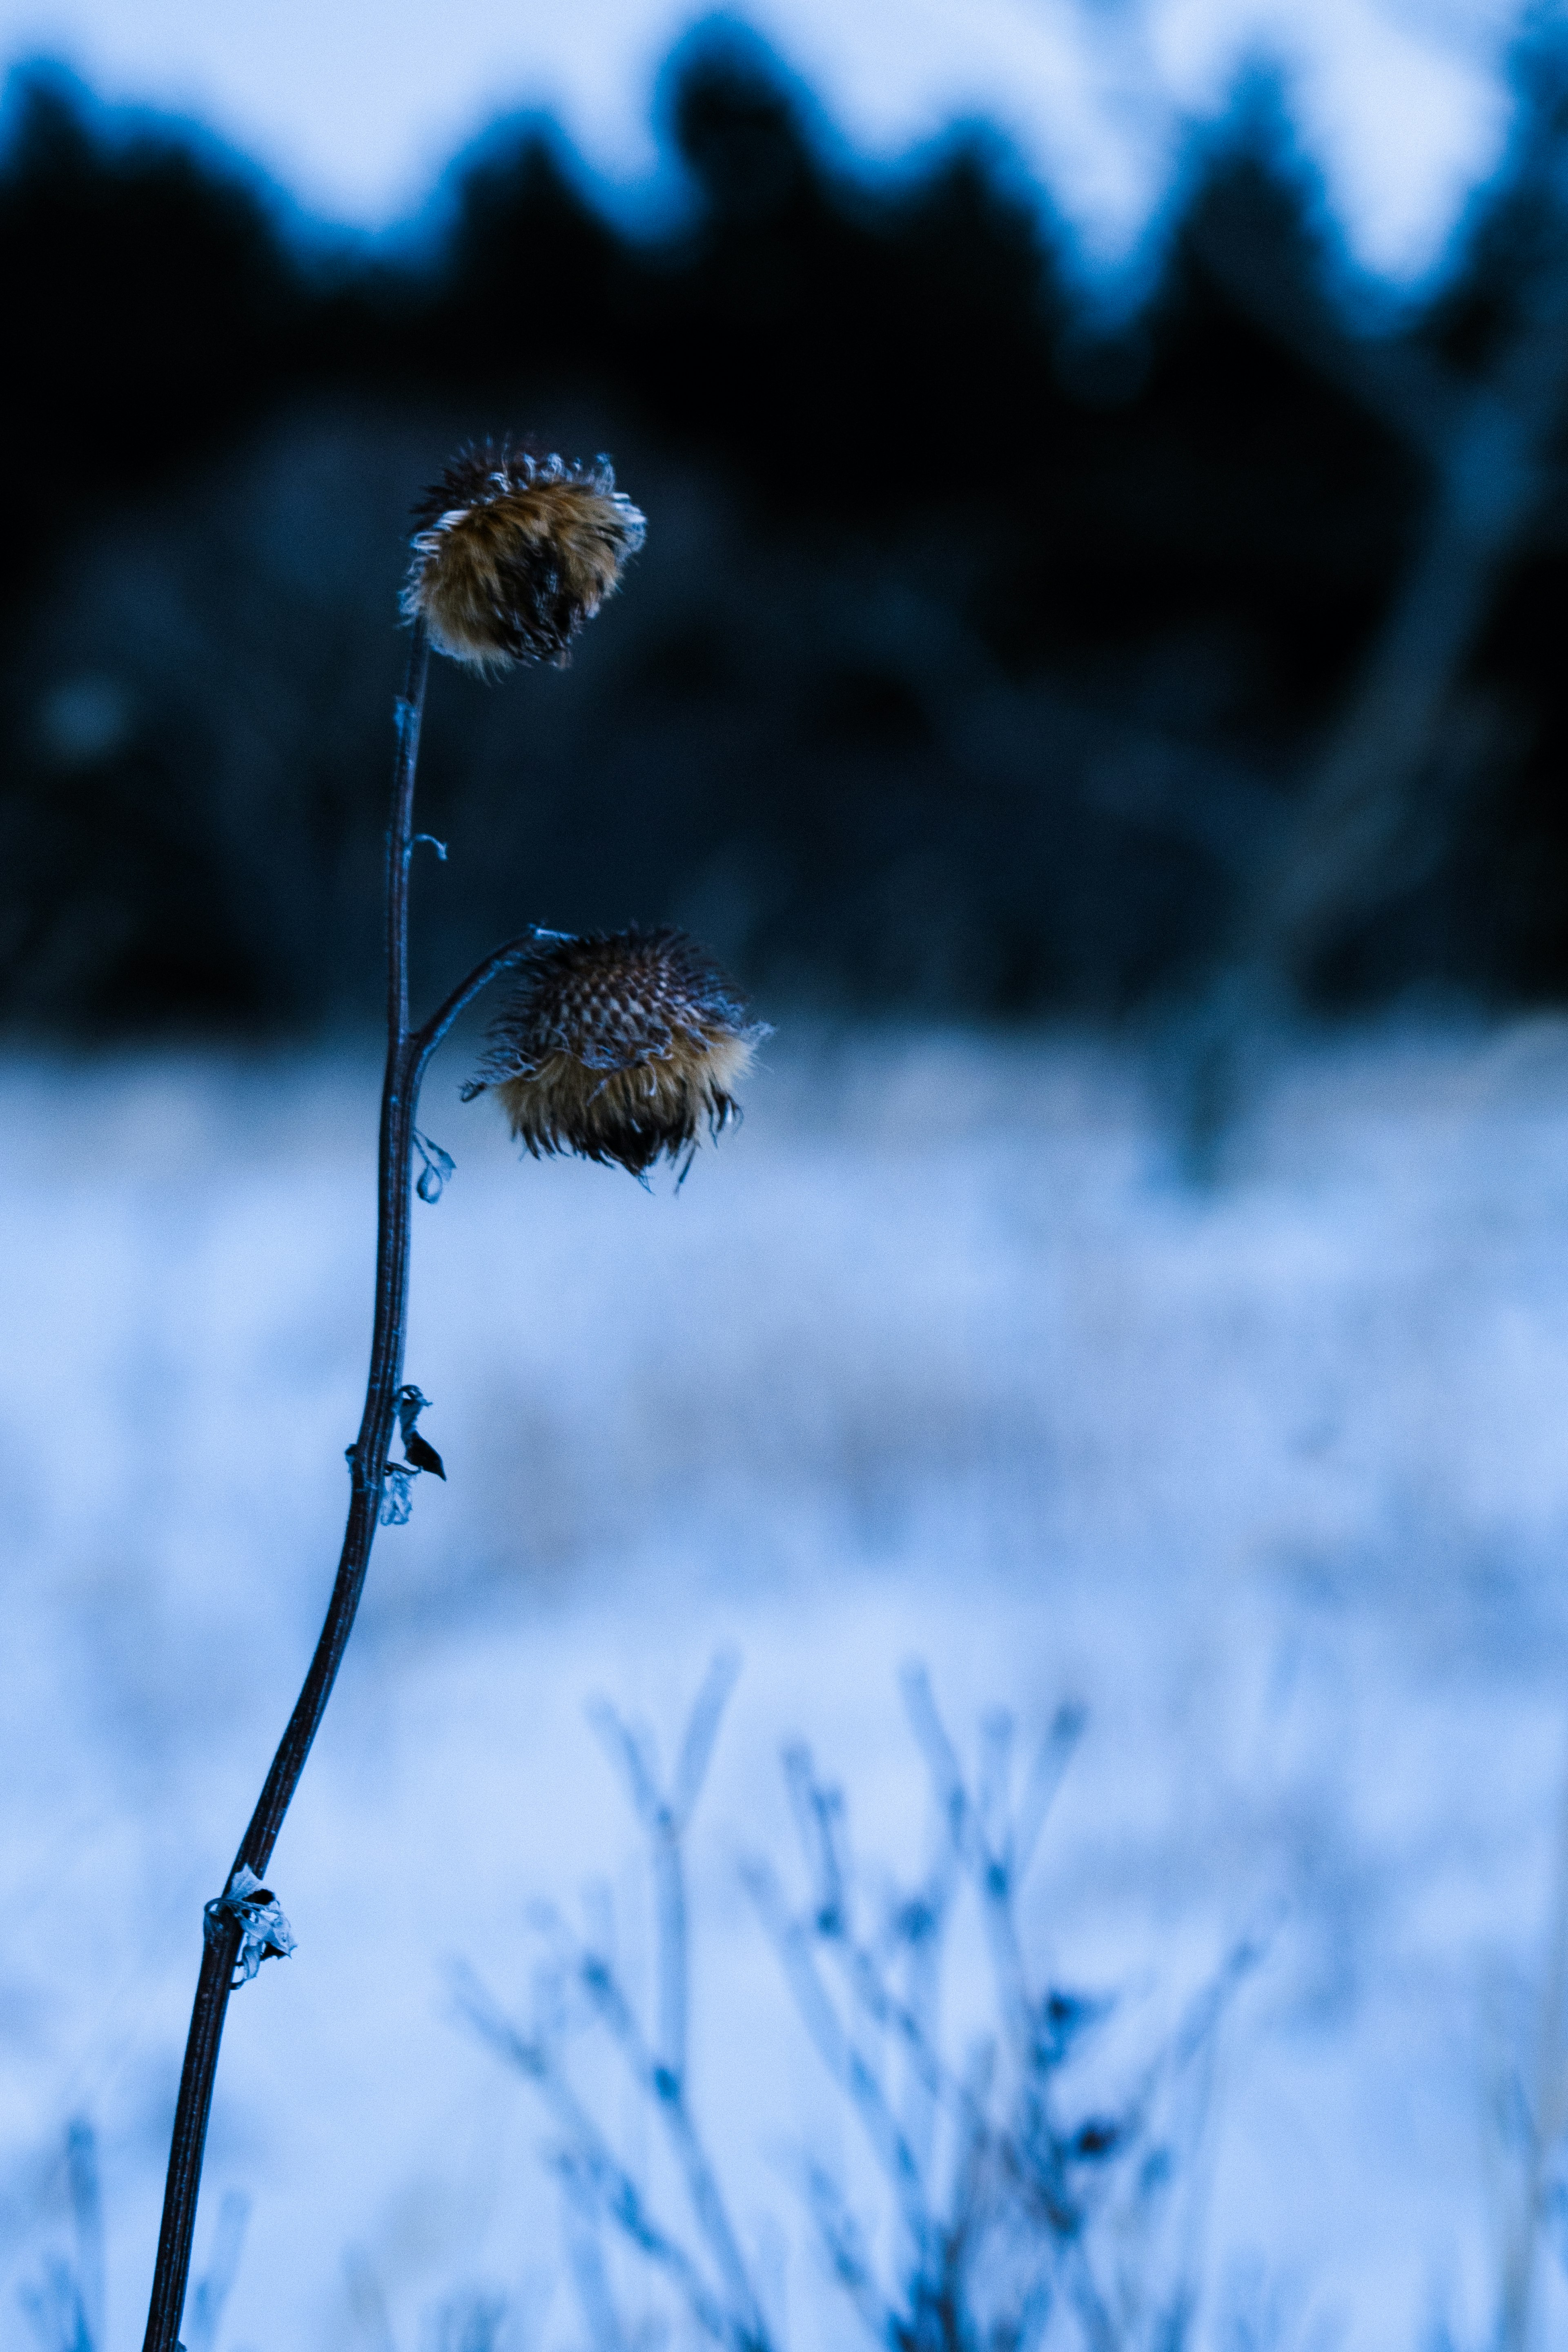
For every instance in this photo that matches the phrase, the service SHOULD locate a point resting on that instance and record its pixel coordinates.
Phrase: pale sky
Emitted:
(355, 109)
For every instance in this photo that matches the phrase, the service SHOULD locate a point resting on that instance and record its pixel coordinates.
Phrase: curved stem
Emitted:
(405, 1058)
(425, 1039)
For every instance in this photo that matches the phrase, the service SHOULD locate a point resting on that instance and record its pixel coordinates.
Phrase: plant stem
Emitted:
(406, 1055)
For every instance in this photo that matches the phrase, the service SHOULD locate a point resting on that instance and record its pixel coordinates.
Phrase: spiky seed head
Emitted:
(515, 552)
(618, 1046)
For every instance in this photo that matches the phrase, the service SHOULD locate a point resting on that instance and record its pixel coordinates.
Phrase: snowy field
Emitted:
(934, 1359)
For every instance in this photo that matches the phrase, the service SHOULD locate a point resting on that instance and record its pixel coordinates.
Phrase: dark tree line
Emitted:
(987, 663)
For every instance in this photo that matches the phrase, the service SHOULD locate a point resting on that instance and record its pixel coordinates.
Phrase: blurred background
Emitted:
(1015, 616)
(1094, 678)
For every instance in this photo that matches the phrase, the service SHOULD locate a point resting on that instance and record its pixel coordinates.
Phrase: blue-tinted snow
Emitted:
(933, 1358)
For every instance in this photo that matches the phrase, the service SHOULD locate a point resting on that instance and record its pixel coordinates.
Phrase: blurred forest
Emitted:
(986, 658)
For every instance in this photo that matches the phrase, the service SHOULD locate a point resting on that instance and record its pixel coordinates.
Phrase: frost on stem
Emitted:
(397, 1497)
(620, 1047)
(516, 552)
(264, 1933)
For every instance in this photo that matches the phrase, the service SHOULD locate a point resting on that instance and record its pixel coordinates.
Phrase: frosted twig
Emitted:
(665, 1818)
(840, 2053)
(659, 2072)
(662, 2075)
(212, 2288)
(264, 1933)
(1037, 2155)
(87, 2222)
(667, 2092)
(586, 2255)
(846, 2250)
(589, 2153)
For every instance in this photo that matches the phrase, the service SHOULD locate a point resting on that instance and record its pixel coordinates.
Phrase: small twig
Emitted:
(594, 2170)
(701, 1733)
(659, 2072)
(817, 1813)
(67, 2311)
(428, 1036)
(1052, 1757)
(1037, 2156)
(819, 1824)
(589, 2151)
(665, 1818)
(663, 2077)
(841, 2055)
(586, 2255)
(86, 2218)
(212, 2290)
(667, 2094)
(841, 2238)
(918, 1925)
(992, 1871)
(884, 2008)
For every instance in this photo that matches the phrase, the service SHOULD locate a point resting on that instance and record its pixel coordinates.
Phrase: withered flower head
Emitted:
(516, 552)
(618, 1046)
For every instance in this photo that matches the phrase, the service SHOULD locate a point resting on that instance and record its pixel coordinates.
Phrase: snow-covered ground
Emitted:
(935, 1360)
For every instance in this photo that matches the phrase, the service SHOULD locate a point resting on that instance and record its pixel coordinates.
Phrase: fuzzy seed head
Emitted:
(619, 1047)
(515, 552)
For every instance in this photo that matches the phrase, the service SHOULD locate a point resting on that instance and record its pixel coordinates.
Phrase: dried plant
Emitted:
(1021, 2216)
(619, 1048)
(515, 553)
(66, 2308)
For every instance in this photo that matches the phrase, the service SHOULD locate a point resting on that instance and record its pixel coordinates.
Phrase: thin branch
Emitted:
(586, 2255)
(842, 2241)
(1052, 1758)
(627, 1750)
(1087, 2301)
(921, 1924)
(212, 2288)
(592, 2168)
(842, 2055)
(665, 1818)
(1036, 2158)
(667, 2093)
(989, 1870)
(818, 1812)
(428, 1036)
(86, 2218)
(701, 1732)
(660, 2073)
(590, 2152)
(993, 1785)
(885, 2010)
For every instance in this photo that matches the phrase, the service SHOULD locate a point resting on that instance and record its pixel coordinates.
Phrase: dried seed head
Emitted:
(516, 552)
(619, 1047)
